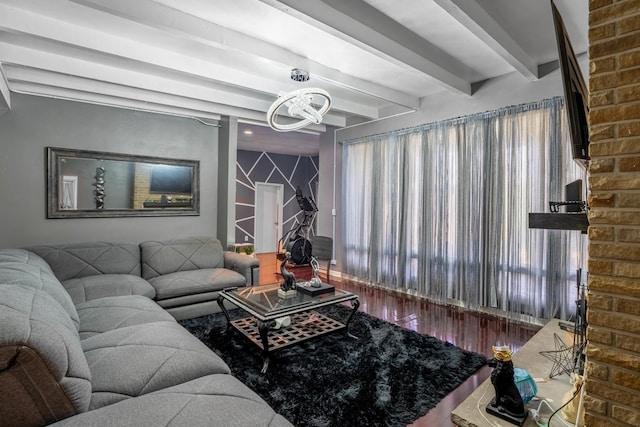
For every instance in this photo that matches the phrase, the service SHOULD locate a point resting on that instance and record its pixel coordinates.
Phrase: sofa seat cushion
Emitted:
(140, 359)
(207, 401)
(105, 314)
(192, 282)
(88, 288)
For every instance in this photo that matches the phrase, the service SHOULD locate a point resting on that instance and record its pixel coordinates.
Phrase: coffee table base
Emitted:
(304, 325)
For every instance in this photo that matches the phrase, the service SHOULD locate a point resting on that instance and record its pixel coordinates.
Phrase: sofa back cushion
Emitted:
(29, 276)
(170, 256)
(44, 374)
(75, 260)
(24, 257)
(20, 267)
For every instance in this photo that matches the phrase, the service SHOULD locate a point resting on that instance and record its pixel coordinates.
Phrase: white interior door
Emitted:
(268, 217)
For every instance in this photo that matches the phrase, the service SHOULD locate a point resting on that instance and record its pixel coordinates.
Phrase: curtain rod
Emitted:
(462, 119)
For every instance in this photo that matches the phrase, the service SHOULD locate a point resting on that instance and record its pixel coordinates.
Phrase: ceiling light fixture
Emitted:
(299, 75)
(300, 104)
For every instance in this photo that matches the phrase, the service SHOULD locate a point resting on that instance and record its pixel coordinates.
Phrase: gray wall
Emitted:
(35, 122)
(228, 147)
(325, 184)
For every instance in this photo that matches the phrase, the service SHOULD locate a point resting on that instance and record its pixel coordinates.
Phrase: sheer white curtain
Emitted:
(441, 210)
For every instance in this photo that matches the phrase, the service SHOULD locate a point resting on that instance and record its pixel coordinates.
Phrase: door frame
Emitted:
(279, 211)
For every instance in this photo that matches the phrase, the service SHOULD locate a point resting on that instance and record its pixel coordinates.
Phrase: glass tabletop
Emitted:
(263, 300)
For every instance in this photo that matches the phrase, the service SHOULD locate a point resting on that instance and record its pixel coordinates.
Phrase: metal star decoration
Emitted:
(563, 357)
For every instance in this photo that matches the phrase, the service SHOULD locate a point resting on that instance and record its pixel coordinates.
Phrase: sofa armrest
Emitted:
(246, 265)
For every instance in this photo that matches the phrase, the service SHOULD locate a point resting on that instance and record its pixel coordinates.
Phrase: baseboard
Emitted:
(495, 312)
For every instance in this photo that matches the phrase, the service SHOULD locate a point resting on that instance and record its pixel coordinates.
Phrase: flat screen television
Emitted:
(168, 179)
(575, 92)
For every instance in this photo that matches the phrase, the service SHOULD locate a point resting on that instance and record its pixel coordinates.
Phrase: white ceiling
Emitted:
(207, 59)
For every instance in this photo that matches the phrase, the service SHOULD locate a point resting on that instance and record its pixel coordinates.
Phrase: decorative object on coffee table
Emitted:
(322, 250)
(314, 286)
(288, 286)
(282, 322)
(315, 290)
(507, 403)
(315, 280)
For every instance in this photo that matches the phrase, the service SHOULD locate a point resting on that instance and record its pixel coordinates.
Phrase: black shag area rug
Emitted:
(390, 376)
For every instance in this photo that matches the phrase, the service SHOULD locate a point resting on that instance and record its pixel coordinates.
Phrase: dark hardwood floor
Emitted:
(466, 329)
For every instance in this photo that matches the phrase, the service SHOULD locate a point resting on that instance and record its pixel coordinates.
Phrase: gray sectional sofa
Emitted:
(85, 340)
(183, 275)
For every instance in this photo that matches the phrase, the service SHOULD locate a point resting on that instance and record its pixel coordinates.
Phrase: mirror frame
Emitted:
(53, 185)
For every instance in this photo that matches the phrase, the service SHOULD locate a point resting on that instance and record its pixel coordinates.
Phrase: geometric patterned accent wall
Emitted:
(290, 171)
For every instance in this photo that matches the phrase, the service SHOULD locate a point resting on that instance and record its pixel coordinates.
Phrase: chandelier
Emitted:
(300, 105)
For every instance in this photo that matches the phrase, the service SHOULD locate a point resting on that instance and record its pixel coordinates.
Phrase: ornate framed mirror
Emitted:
(93, 184)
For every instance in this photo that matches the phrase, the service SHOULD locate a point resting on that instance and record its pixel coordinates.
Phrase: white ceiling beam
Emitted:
(135, 47)
(64, 65)
(357, 22)
(122, 45)
(69, 94)
(470, 14)
(5, 94)
(206, 32)
(117, 83)
(46, 78)
(47, 83)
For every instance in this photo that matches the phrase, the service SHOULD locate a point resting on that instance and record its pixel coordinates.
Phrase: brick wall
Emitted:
(141, 185)
(613, 352)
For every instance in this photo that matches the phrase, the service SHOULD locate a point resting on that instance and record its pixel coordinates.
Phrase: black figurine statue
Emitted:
(99, 191)
(507, 403)
(289, 282)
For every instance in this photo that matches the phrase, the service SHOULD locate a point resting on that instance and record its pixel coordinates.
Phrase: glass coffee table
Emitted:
(276, 322)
